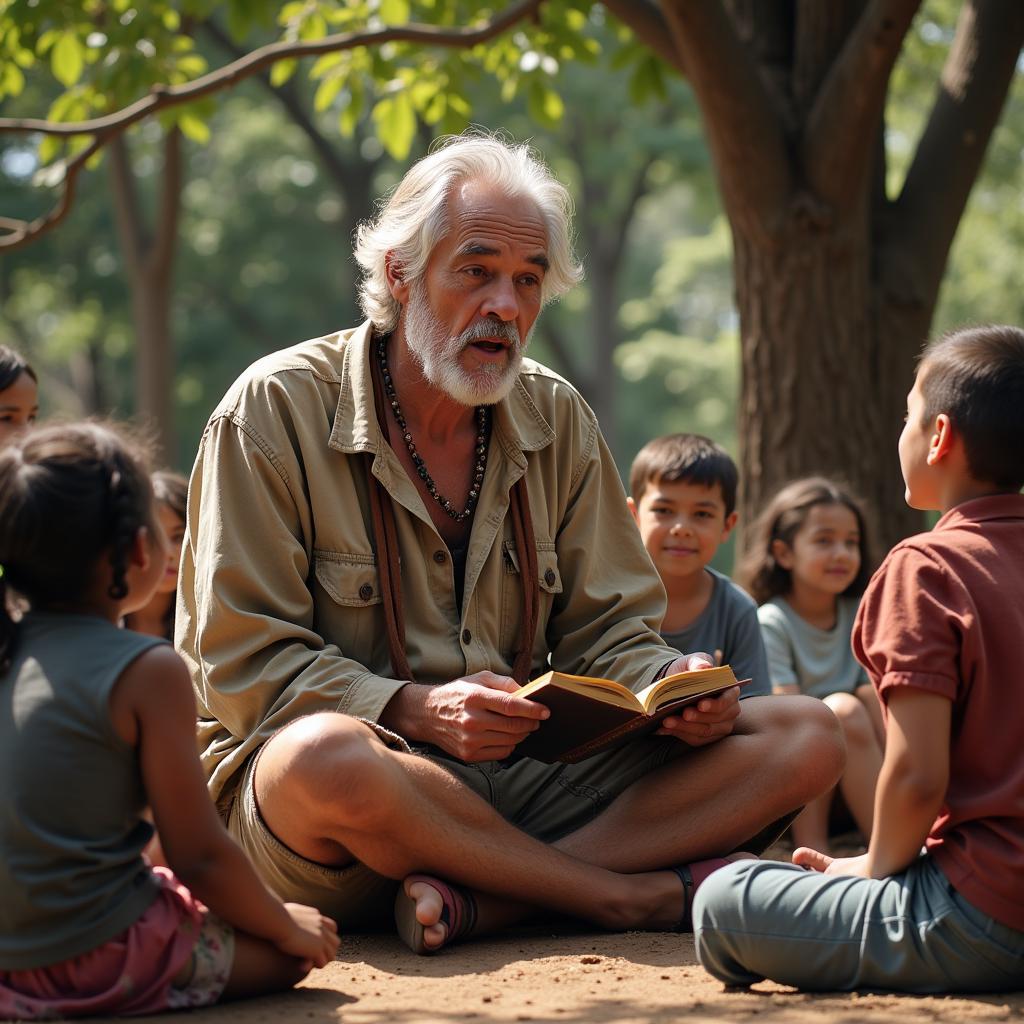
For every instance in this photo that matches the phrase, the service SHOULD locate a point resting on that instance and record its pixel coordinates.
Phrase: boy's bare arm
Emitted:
(913, 781)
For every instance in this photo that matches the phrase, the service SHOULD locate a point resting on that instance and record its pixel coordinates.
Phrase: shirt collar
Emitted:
(519, 425)
(979, 510)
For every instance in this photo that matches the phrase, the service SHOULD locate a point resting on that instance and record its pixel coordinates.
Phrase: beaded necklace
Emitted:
(482, 420)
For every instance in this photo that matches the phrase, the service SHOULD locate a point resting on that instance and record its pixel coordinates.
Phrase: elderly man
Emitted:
(391, 527)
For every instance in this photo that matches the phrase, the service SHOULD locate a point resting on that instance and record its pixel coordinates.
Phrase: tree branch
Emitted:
(845, 113)
(647, 23)
(162, 97)
(288, 97)
(973, 87)
(743, 123)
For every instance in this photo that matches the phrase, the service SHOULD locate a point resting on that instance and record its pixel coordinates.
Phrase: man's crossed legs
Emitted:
(331, 811)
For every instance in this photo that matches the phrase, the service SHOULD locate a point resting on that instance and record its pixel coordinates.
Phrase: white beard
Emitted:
(437, 354)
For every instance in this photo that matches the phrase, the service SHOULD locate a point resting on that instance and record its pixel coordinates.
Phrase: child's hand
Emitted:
(805, 857)
(312, 938)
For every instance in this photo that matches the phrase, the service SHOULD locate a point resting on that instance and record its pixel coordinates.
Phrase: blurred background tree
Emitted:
(220, 230)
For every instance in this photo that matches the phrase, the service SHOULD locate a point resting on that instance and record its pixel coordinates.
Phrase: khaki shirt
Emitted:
(279, 607)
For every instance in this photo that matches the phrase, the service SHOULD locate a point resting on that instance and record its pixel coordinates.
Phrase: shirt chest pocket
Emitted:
(549, 584)
(347, 603)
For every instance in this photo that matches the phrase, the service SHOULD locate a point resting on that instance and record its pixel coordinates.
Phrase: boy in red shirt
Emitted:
(940, 632)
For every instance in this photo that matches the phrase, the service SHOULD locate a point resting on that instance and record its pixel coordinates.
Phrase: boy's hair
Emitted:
(759, 573)
(976, 377)
(69, 494)
(12, 366)
(689, 457)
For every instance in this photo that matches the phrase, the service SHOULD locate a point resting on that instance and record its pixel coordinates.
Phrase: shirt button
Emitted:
(467, 637)
(366, 591)
(439, 557)
(549, 577)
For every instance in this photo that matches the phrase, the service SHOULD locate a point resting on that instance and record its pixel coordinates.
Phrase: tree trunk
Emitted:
(154, 358)
(149, 267)
(813, 346)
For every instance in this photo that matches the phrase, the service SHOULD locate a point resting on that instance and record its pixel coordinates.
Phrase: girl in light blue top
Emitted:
(808, 565)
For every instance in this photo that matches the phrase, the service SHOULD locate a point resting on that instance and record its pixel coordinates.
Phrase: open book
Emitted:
(590, 715)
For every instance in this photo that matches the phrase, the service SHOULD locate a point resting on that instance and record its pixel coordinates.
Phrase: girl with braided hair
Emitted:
(96, 722)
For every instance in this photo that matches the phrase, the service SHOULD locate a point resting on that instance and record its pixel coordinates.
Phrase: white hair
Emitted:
(413, 218)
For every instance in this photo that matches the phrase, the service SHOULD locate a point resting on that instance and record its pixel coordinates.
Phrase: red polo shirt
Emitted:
(945, 613)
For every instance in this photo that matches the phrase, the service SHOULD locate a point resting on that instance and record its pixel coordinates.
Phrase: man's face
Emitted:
(469, 318)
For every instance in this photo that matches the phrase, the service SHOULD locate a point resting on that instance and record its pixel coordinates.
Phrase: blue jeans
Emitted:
(911, 933)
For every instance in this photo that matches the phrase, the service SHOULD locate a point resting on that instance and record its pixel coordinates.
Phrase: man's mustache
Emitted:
(503, 329)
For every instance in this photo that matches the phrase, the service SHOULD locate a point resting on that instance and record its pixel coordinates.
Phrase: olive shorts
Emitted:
(546, 801)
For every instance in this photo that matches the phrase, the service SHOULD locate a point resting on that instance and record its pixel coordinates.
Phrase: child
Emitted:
(19, 394)
(96, 722)
(807, 566)
(939, 631)
(157, 617)
(683, 490)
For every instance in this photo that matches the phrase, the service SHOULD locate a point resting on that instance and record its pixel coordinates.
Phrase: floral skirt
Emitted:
(176, 955)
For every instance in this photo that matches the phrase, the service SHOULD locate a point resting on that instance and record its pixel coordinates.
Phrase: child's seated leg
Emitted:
(912, 933)
(811, 826)
(863, 758)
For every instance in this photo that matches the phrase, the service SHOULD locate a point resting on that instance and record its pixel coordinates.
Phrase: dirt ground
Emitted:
(569, 978)
(572, 976)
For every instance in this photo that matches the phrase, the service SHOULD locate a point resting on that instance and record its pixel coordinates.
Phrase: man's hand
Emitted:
(805, 857)
(709, 719)
(476, 718)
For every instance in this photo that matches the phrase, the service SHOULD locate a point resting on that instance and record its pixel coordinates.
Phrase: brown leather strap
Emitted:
(526, 548)
(385, 543)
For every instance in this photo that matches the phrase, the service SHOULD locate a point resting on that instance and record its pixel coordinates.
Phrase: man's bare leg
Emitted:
(781, 755)
(331, 791)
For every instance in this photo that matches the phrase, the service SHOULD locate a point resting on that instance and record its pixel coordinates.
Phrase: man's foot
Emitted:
(431, 914)
(692, 875)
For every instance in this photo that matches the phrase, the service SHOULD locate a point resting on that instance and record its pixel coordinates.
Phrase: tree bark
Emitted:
(149, 267)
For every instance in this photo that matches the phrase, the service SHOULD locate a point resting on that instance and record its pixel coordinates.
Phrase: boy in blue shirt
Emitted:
(683, 489)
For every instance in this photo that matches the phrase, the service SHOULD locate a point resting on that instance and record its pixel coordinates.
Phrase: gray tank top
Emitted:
(72, 874)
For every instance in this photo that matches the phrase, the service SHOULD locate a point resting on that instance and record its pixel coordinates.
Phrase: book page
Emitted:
(686, 684)
(606, 690)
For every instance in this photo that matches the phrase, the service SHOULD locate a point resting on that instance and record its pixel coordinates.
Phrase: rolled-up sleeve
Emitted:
(245, 618)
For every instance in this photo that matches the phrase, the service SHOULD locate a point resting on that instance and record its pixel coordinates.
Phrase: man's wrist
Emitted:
(405, 712)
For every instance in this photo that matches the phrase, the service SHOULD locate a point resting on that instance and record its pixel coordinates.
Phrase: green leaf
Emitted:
(67, 59)
(12, 81)
(194, 128)
(171, 19)
(544, 105)
(396, 124)
(326, 91)
(394, 12)
(282, 71)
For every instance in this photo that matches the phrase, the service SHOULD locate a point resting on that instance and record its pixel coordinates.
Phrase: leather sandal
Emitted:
(458, 914)
(692, 875)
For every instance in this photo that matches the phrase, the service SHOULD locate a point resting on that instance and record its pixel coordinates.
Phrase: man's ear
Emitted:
(782, 553)
(631, 504)
(730, 525)
(397, 285)
(940, 444)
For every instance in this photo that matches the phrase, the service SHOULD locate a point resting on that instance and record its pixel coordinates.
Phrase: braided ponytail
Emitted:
(70, 495)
